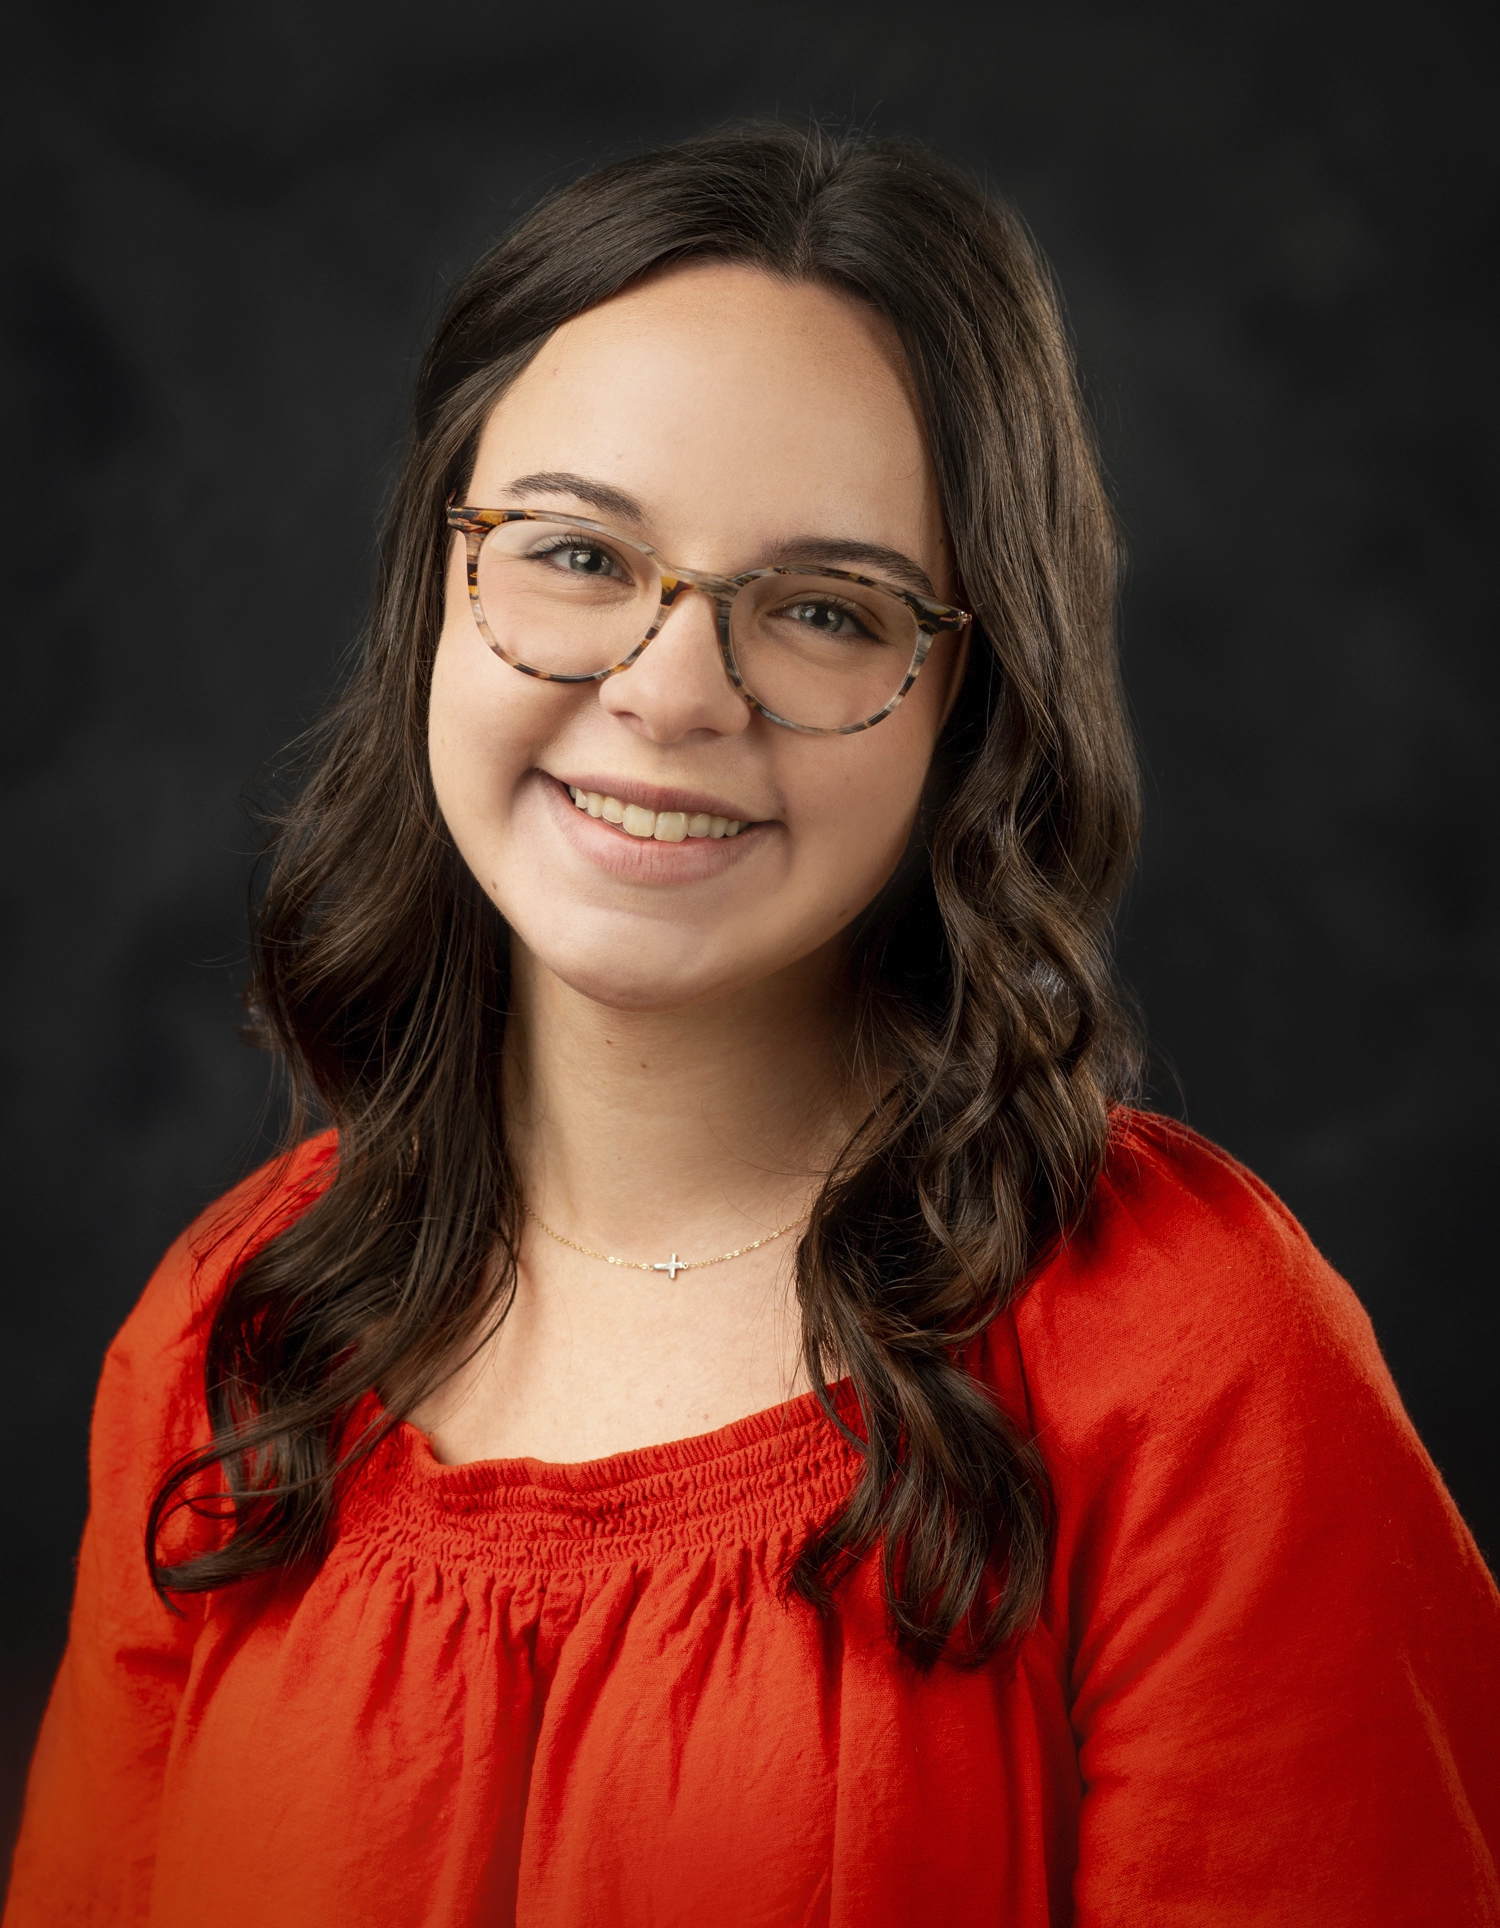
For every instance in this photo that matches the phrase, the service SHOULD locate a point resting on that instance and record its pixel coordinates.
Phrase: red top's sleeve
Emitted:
(1285, 1648)
(88, 1835)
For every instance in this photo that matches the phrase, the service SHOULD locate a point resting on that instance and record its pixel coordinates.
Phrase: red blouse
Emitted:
(1263, 1689)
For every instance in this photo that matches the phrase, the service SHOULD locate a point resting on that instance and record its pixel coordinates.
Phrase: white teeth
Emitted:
(666, 826)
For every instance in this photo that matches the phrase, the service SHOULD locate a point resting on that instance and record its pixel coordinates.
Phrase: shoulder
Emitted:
(1209, 1397)
(1254, 1562)
(1186, 1274)
(152, 1374)
(151, 1410)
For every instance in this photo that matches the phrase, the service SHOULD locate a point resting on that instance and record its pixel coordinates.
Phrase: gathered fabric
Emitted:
(1263, 1688)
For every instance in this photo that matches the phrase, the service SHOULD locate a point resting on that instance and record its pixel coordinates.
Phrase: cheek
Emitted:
(484, 723)
(859, 799)
(461, 740)
(472, 716)
(875, 781)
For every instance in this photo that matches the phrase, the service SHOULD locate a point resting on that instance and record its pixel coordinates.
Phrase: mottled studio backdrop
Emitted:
(1275, 228)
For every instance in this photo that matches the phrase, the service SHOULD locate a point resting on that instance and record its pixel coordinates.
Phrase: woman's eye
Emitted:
(828, 619)
(581, 559)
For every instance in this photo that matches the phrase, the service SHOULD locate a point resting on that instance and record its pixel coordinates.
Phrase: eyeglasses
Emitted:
(825, 651)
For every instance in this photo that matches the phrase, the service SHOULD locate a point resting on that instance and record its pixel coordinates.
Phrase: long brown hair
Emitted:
(381, 970)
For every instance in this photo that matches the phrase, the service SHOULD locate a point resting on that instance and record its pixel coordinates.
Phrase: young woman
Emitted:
(733, 1420)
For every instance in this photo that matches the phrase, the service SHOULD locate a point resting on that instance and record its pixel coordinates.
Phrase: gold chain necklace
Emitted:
(673, 1265)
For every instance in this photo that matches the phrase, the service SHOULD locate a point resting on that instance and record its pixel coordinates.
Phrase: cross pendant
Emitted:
(671, 1270)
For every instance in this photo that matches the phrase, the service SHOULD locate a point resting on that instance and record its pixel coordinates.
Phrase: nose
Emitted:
(678, 684)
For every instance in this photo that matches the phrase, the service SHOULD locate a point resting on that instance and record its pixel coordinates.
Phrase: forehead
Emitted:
(713, 385)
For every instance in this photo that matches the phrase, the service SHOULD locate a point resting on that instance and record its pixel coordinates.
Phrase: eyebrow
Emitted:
(835, 552)
(840, 552)
(598, 494)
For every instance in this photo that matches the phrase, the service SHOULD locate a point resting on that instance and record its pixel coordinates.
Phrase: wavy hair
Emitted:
(985, 986)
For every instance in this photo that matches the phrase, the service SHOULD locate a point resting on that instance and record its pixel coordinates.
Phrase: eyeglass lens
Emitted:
(810, 648)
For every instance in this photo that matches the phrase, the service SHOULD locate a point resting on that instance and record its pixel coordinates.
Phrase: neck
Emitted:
(638, 1130)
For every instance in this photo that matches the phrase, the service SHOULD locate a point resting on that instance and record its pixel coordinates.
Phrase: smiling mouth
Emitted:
(664, 826)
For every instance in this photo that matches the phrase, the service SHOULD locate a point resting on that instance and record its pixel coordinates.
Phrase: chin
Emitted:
(667, 973)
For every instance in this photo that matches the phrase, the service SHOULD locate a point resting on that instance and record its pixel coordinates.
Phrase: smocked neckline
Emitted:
(768, 1428)
(757, 1481)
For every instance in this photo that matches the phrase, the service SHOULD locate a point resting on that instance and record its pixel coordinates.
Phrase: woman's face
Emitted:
(728, 419)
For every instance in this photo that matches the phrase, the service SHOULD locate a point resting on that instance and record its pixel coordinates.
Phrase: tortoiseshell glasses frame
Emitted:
(931, 618)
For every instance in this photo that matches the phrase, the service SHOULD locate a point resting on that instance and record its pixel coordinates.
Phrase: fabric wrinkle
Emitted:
(1263, 1684)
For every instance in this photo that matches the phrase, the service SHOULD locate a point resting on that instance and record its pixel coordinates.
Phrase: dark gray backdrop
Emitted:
(1274, 227)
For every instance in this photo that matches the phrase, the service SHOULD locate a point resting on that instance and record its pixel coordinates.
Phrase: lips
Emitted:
(664, 835)
(664, 826)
